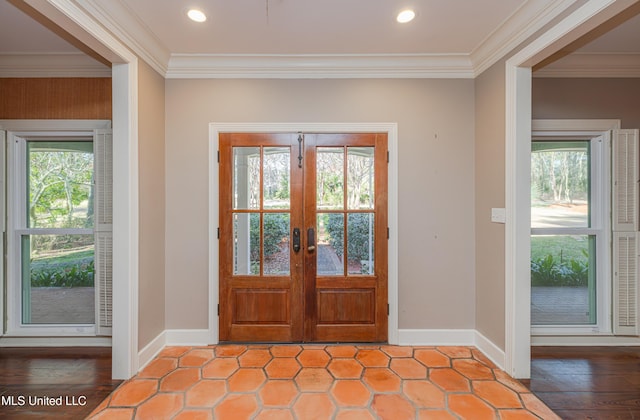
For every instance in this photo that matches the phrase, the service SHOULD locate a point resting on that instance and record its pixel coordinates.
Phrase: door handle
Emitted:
(311, 240)
(296, 239)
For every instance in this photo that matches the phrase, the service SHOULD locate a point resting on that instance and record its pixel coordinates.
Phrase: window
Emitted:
(56, 238)
(59, 233)
(570, 234)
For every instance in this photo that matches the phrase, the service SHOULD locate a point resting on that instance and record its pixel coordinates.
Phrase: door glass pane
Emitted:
(360, 243)
(276, 177)
(330, 244)
(560, 184)
(276, 243)
(563, 280)
(246, 178)
(57, 279)
(360, 177)
(246, 241)
(330, 178)
(60, 184)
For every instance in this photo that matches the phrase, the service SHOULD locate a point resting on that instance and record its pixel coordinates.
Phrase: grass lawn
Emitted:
(561, 247)
(65, 258)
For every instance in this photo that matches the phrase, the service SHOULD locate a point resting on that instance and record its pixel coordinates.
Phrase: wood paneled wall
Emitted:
(55, 98)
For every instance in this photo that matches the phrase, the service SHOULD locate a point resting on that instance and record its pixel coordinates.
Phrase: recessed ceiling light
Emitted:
(196, 15)
(406, 16)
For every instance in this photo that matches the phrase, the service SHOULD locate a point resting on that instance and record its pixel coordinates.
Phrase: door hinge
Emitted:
(218, 233)
(218, 156)
(387, 156)
(388, 233)
(218, 309)
(387, 309)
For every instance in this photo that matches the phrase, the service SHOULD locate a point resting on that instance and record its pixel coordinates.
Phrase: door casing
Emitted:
(212, 332)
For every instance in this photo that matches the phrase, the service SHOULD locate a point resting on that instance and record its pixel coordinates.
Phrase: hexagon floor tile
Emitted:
(321, 382)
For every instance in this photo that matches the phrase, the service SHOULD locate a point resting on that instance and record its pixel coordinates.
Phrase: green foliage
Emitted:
(60, 184)
(547, 271)
(64, 274)
(358, 232)
(276, 227)
(334, 223)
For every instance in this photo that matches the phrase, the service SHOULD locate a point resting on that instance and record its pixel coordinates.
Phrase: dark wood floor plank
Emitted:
(80, 378)
(587, 382)
(591, 400)
(582, 383)
(600, 415)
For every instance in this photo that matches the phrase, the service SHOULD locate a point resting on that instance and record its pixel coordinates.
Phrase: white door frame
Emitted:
(392, 132)
(74, 19)
(517, 172)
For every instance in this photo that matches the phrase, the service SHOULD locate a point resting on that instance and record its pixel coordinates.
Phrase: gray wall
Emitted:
(436, 181)
(151, 134)
(490, 192)
(587, 98)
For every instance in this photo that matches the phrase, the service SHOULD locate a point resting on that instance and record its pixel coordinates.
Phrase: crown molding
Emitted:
(524, 22)
(598, 65)
(122, 22)
(51, 65)
(115, 16)
(301, 66)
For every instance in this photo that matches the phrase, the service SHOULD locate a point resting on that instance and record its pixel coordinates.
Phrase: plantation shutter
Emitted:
(626, 297)
(103, 204)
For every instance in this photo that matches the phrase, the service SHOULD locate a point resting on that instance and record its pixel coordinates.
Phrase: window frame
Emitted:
(17, 227)
(599, 226)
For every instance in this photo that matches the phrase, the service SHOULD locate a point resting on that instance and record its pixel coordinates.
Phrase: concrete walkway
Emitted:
(559, 305)
(62, 305)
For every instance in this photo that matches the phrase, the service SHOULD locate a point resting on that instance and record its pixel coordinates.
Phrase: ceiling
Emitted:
(448, 38)
(325, 27)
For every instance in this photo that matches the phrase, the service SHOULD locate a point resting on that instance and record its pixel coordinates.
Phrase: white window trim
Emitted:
(600, 207)
(392, 132)
(19, 131)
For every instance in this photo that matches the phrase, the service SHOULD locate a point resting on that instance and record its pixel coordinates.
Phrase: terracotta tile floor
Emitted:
(321, 382)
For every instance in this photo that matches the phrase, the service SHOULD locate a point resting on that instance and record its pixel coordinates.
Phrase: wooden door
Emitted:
(303, 237)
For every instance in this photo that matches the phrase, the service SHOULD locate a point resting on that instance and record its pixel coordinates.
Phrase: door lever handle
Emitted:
(311, 240)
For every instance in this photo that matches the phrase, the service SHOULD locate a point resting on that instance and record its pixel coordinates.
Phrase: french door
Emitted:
(303, 237)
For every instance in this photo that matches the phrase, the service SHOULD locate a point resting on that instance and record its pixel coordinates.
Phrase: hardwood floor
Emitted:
(587, 382)
(34, 381)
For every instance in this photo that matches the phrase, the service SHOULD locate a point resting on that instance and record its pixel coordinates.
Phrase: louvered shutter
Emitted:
(103, 173)
(625, 232)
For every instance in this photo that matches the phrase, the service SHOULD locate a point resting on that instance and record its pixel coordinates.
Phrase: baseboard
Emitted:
(172, 338)
(489, 349)
(406, 338)
(454, 338)
(593, 340)
(55, 341)
(151, 350)
(188, 337)
(436, 337)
